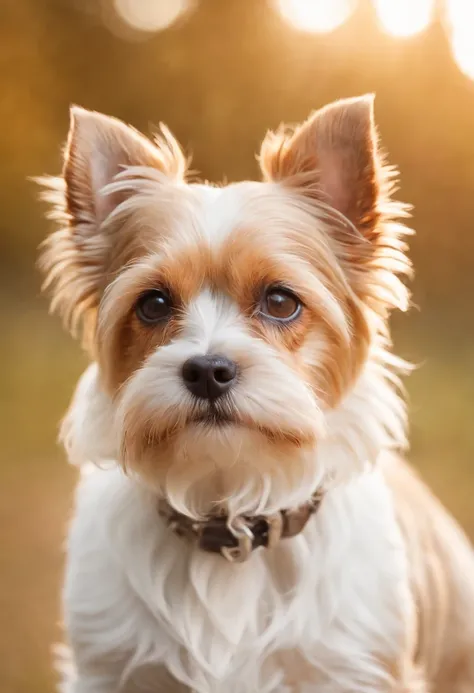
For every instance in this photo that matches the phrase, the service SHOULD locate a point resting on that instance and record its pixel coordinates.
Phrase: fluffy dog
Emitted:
(242, 522)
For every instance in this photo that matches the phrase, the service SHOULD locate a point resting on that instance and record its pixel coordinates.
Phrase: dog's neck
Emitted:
(236, 539)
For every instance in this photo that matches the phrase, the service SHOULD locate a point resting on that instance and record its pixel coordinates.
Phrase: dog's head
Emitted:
(227, 322)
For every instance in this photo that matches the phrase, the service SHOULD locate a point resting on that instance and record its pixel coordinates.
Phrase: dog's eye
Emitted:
(280, 304)
(153, 306)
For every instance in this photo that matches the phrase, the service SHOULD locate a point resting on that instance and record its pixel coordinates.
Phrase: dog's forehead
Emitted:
(233, 235)
(224, 209)
(235, 238)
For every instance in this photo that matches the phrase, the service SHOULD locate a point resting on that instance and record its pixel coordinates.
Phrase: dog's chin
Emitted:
(214, 455)
(215, 434)
(213, 451)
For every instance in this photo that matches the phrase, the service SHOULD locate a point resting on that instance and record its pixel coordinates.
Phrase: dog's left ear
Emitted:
(334, 156)
(333, 159)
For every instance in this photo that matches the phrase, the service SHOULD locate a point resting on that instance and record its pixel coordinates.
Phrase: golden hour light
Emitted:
(462, 46)
(460, 16)
(315, 16)
(150, 15)
(460, 13)
(404, 18)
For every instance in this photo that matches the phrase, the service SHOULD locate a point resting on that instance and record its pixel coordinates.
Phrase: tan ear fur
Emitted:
(333, 159)
(75, 258)
(334, 154)
(98, 148)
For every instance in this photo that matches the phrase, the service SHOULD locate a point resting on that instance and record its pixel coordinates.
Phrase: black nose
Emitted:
(209, 377)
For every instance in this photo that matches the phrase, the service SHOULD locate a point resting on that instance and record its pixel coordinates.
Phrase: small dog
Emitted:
(243, 523)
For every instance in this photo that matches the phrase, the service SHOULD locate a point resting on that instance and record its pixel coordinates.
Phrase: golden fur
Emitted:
(324, 224)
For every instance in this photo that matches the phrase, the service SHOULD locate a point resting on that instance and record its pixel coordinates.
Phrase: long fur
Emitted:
(348, 604)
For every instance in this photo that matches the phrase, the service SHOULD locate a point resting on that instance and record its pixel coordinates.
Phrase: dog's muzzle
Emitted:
(235, 540)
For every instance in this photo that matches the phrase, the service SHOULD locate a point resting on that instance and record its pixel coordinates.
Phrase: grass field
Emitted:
(40, 366)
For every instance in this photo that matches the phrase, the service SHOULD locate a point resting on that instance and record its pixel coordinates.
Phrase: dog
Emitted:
(244, 519)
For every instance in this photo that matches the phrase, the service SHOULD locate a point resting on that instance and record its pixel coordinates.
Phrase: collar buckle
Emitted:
(241, 532)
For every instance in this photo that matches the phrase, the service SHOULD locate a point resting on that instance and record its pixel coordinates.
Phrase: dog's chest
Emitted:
(331, 602)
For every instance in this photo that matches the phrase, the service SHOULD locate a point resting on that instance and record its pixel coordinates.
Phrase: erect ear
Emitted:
(334, 156)
(333, 159)
(76, 257)
(98, 148)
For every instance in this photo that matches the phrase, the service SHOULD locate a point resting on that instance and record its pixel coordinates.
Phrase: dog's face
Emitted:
(226, 321)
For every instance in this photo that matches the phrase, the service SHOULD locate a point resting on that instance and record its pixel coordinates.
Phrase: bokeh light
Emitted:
(462, 46)
(460, 18)
(404, 18)
(460, 13)
(316, 16)
(150, 15)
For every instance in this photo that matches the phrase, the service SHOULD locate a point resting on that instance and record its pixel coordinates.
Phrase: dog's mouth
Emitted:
(218, 417)
(214, 417)
(212, 421)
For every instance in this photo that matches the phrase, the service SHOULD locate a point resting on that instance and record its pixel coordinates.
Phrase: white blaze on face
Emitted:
(212, 318)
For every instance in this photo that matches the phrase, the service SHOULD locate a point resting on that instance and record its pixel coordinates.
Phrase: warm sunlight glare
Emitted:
(460, 16)
(150, 15)
(462, 45)
(404, 18)
(317, 16)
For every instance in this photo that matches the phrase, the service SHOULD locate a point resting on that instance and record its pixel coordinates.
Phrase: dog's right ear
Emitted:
(100, 150)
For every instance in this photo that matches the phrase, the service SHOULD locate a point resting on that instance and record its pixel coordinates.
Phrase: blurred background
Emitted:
(219, 73)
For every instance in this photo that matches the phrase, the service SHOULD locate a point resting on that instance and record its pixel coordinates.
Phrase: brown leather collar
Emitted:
(236, 541)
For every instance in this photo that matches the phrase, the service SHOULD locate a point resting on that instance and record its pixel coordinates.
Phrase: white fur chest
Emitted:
(325, 607)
